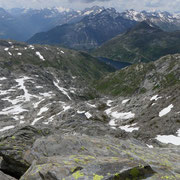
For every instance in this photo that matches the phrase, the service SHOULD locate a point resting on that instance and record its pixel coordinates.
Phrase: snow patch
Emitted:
(6, 49)
(19, 54)
(109, 102)
(31, 47)
(155, 98)
(80, 112)
(36, 120)
(40, 56)
(125, 101)
(3, 78)
(149, 146)
(123, 115)
(21, 122)
(42, 110)
(129, 128)
(63, 90)
(6, 128)
(169, 139)
(37, 103)
(10, 53)
(88, 115)
(108, 111)
(165, 110)
(20, 82)
(65, 108)
(39, 87)
(47, 94)
(91, 105)
(112, 122)
(17, 109)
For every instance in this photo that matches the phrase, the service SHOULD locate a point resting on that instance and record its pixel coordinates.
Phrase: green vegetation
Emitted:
(124, 82)
(143, 43)
(131, 80)
(134, 172)
(72, 62)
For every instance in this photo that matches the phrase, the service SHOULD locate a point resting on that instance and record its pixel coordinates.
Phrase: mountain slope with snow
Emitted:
(165, 20)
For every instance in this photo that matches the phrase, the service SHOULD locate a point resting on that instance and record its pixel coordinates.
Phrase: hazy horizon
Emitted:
(119, 5)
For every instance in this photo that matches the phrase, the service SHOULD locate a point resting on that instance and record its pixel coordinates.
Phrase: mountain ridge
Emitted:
(45, 19)
(142, 43)
(87, 34)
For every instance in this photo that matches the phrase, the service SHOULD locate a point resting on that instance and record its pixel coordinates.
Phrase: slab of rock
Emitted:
(5, 177)
(16, 146)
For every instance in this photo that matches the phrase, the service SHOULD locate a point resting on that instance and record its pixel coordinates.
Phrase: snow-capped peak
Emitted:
(93, 10)
(62, 9)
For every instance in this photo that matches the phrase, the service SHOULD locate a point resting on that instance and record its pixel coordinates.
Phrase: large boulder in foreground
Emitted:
(15, 147)
(42, 155)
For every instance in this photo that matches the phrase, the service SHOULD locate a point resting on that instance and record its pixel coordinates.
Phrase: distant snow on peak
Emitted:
(93, 10)
(62, 9)
(88, 12)
(147, 15)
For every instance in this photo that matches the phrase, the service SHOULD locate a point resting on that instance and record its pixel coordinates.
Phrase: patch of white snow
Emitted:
(88, 115)
(42, 110)
(129, 128)
(40, 56)
(63, 90)
(165, 110)
(125, 101)
(6, 128)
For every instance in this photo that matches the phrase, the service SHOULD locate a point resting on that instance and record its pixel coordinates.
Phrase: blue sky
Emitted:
(163, 5)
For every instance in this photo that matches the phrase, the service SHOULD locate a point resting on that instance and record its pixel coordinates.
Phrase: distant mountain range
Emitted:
(21, 24)
(97, 28)
(143, 43)
(90, 32)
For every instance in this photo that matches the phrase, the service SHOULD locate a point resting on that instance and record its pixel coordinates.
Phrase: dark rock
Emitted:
(5, 177)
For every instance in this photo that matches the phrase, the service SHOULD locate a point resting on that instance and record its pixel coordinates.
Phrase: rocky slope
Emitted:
(143, 43)
(86, 34)
(53, 126)
(143, 77)
(33, 78)
(152, 92)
